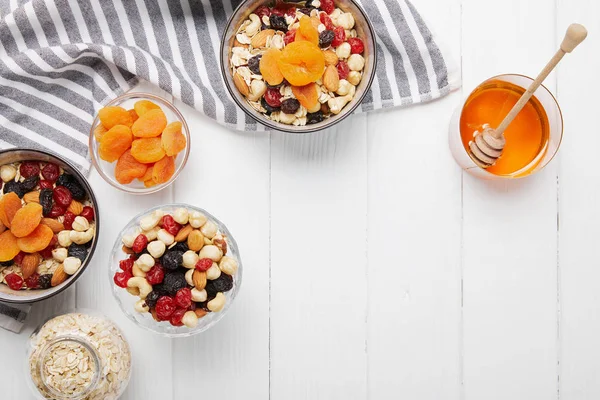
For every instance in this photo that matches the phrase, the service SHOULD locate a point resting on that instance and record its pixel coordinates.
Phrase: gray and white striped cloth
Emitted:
(60, 60)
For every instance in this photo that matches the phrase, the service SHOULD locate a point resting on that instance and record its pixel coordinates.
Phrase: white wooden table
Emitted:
(366, 268)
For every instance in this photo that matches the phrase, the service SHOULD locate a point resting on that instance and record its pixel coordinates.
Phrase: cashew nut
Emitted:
(140, 283)
(137, 271)
(133, 291)
(254, 26)
(337, 103)
(216, 304)
(141, 306)
(189, 276)
(82, 237)
(151, 220)
(71, 265)
(346, 88)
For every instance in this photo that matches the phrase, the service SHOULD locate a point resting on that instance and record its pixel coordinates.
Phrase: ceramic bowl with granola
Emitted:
(48, 225)
(298, 66)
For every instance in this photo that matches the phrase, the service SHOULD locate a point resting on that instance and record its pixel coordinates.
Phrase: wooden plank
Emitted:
(318, 263)
(509, 227)
(579, 191)
(228, 175)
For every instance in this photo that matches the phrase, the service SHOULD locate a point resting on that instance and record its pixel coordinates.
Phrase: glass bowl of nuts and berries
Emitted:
(175, 270)
(139, 143)
(48, 225)
(298, 66)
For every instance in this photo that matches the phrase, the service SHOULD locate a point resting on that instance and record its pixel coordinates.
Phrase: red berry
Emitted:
(14, 281)
(57, 211)
(155, 275)
(68, 221)
(325, 20)
(277, 11)
(121, 279)
(183, 298)
(33, 282)
(51, 172)
(62, 196)
(262, 11)
(169, 224)
(139, 244)
(88, 213)
(343, 69)
(290, 11)
(356, 45)
(273, 97)
(177, 316)
(29, 169)
(340, 36)
(19, 258)
(165, 307)
(328, 6)
(126, 265)
(44, 184)
(289, 37)
(204, 264)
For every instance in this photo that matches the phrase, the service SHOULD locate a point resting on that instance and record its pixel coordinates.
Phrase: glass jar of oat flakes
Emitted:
(81, 355)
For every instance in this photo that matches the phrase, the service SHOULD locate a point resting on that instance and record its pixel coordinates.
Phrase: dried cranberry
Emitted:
(126, 265)
(289, 37)
(273, 97)
(177, 316)
(121, 279)
(140, 242)
(44, 184)
(328, 6)
(165, 307)
(277, 11)
(183, 298)
(56, 211)
(169, 224)
(29, 168)
(14, 281)
(68, 221)
(62, 196)
(340, 36)
(33, 282)
(88, 213)
(204, 264)
(290, 11)
(325, 20)
(155, 275)
(51, 172)
(47, 252)
(262, 11)
(343, 69)
(356, 45)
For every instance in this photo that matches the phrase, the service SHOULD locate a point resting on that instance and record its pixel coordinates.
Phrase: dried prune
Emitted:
(290, 106)
(45, 281)
(78, 250)
(278, 22)
(223, 283)
(6, 263)
(152, 298)
(16, 187)
(173, 282)
(267, 107)
(46, 201)
(326, 38)
(254, 64)
(180, 246)
(71, 183)
(172, 260)
(314, 118)
(30, 183)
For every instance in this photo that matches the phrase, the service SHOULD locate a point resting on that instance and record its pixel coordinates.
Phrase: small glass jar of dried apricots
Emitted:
(139, 143)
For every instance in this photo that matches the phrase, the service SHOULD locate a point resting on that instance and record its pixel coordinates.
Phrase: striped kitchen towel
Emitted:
(60, 60)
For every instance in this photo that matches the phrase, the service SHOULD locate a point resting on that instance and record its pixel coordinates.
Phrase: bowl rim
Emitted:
(88, 260)
(185, 129)
(130, 313)
(283, 127)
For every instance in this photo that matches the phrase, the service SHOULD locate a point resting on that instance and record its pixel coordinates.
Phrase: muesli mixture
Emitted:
(298, 63)
(77, 355)
(47, 224)
(178, 266)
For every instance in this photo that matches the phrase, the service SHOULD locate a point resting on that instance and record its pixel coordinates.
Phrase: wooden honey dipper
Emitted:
(487, 146)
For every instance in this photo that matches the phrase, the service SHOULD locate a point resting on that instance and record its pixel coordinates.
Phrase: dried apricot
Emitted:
(173, 141)
(9, 205)
(149, 183)
(301, 63)
(147, 150)
(308, 96)
(163, 170)
(134, 115)
(99, 131)
(8, 246)
(128, 168)
(150, 124)
(269, 67)
(113, 115)
(37, 240)
(26, 220)
(148, 175)
(307, 31)
(115, 142)
(143, 106)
